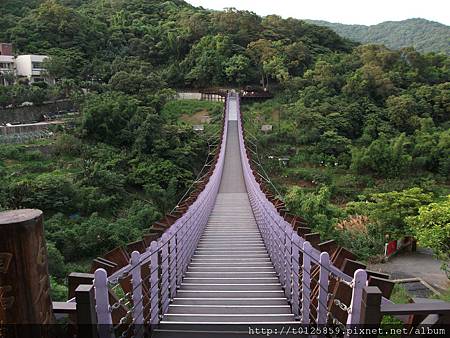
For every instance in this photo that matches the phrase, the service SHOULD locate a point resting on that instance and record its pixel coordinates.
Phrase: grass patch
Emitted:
(400, 295)
(173, 110)
(445, 296)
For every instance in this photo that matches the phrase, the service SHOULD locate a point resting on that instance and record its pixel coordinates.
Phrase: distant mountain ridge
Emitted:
(422, 34)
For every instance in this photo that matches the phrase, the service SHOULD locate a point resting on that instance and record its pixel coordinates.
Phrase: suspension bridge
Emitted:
(230, 260)
(227, 260)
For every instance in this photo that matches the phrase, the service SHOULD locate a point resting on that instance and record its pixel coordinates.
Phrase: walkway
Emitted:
(420, 264)
(230, 279)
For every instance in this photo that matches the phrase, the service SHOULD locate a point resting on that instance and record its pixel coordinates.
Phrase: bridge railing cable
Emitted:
(263, 173)
(307, 275)
(151, 279)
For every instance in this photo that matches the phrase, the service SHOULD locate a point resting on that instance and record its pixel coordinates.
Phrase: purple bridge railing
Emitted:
(292, 257)
(166, 260)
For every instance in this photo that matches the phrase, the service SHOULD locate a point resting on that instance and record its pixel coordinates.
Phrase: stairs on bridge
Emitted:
(230, 279)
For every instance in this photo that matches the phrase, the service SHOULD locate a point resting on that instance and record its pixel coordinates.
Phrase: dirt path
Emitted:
(420, 264)
(197, 118)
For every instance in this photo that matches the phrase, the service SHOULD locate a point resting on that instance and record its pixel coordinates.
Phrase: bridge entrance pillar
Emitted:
(24, 280)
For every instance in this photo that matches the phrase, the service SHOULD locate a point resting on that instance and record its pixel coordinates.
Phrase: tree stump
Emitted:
(24, 279)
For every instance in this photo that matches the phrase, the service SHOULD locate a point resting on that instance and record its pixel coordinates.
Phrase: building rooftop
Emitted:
(6, 48)
(6, 58)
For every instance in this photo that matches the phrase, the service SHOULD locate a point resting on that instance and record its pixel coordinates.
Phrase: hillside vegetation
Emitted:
(423, 35)
(366, 127)
(368, 138)
(130, 156)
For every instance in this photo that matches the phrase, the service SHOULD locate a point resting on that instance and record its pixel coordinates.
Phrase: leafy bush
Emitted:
(56, 265)
(52, 192)
(310, 174)
(109, 117)
(389, 210)
(58, 292)
(383, 157)
(432, 229)
(364, 244)
(316, 208)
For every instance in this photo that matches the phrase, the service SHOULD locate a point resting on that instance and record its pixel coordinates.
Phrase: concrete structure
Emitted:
(189, 96)
(22, 66)
(7, 69)
(31, 67)
(7, 66)
(6, 48)
(266, 128)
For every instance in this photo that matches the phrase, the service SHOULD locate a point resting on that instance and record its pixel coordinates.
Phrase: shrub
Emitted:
(432, 229)
(390, 209)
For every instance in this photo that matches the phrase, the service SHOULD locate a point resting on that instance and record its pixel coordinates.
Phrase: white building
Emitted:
(7, 67)
(31, 67)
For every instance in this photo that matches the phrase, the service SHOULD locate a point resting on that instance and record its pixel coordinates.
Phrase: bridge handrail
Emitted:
(288, 250)
(163, 263)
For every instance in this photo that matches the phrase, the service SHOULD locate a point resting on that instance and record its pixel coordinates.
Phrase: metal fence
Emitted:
(29, 136)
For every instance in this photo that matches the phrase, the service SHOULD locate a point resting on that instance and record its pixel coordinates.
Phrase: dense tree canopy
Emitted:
(366, 128)
(186, 45)
(432, 228)
(424, 35)
(367, 133)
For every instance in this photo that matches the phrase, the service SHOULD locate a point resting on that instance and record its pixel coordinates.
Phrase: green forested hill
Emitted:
(423, 35)
(131, 155)
(186, 45)
(355, 120)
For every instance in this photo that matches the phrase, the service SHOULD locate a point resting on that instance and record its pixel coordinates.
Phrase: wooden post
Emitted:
(24, 279)
(371, 306)
(74, 280)
(78, 278)
(86, 316)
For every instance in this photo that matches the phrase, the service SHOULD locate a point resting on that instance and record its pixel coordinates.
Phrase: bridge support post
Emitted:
(371, 304)
(359, 282)
(306, 282)
(173, 263)
(295, 275)
(279, 252)
(165, 274)
(86, 316)
(181, 247)
(288, 261)
(102, 308)
(322, 306)
(154, 284)
(24, 279)
(136, 282)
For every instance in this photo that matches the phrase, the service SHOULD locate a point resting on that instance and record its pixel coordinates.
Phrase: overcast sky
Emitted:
(366, 12)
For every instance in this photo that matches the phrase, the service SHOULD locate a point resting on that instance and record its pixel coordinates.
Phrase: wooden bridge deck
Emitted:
(230, 279)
